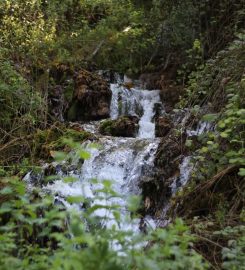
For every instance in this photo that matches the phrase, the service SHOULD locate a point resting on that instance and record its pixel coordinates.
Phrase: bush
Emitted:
(216, 186)
(20, 105)
(38, 234)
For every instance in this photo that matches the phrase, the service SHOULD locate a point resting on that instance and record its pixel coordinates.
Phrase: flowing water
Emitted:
(123, 161)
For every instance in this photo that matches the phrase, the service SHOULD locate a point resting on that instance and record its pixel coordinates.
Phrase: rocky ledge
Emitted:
(91, 98)
(125, 126)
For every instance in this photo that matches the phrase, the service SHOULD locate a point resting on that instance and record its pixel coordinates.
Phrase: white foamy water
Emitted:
(123, 161)
(201, 128)
(185, 168)
(136, 102)
(146, 124)
(126, 162)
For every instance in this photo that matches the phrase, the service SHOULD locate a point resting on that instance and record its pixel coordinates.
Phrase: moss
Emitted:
(52, 139)
(68, 91)
(107, 127)
(124, 126)
(71, 114)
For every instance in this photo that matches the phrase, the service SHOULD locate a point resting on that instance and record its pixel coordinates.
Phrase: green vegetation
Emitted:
(107, 126)
(197, 46)
(35, 235)
(53, 139)
(220, 85)
(217, 186)
(122, 127)
(47, 34)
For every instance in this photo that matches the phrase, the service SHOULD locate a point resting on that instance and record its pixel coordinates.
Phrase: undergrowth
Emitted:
(217, 187)
(37, 233)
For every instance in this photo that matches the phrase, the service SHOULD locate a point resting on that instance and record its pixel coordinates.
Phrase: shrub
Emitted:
(38, 234)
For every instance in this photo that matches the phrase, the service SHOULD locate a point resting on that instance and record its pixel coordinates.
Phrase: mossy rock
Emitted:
(91, 98)
(106, 127)
(126, 126)
(52, 139)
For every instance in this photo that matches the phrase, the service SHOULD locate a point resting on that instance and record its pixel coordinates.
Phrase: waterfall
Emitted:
(148, 101)
(136, 102)
(185, 171)
(123, 161)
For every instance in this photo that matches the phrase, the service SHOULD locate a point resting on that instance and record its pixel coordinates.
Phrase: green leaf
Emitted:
(107, 184)
(242, 172)
(209, 117)
(134, 203)
(221, 124)
(75, 199)
(94, 146)
(188, 143)
(6, 191)
(69, 179)
(224, 135)
(20, 188)
(84, 154)
(204, 149)
(59, 156)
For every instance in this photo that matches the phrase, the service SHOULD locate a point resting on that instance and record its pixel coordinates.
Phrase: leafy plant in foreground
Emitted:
(38, 234)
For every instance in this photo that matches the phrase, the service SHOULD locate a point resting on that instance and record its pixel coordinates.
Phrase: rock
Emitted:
(56, 103)
(158, 189)
(149, 80)
(163, 126)
(111, 76)
(125, 126)
(164, 81)
(91, 98)
(128, 85)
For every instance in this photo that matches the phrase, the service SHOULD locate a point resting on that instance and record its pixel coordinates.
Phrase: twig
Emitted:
(14, 141)
(208, 240)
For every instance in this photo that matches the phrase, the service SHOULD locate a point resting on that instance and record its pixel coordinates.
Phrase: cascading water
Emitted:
(185, 170)
(136, 102)
(124, 161)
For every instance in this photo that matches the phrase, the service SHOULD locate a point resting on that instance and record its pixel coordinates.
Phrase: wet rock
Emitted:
(164, 81)
(91, 98)
(158, 189)
(159, 110)
(57, 103)
(128, 85)
(126, 126)
(149, 80)
(111, 76)
(163, 126)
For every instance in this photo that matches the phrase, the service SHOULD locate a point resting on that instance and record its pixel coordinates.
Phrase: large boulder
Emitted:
(91, 98)
(125, 126)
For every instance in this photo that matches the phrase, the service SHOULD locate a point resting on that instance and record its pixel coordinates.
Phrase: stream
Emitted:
(125, 162)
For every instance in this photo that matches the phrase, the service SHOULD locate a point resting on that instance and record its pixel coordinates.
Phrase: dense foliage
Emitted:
(217, 186)
(198, 45)
(38, 234)
(45, 34)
